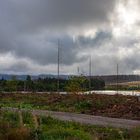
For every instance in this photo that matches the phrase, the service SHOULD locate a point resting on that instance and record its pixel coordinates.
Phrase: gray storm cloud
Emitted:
(20, 20)
(34, 14)
(30, 30)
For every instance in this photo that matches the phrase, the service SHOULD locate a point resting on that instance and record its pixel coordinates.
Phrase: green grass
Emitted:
(11, 117)
(53, 129)
(27, 119)
(65, 134)
(77, 131)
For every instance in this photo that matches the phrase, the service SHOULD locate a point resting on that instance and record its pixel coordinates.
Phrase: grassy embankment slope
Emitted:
(47, 128)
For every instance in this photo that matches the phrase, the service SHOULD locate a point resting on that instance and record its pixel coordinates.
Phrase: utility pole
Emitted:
(58, 65)
(89, 73)
(78, 71)
(24, 85)
(117, 77)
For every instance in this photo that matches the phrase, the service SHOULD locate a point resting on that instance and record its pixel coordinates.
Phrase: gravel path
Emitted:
(84, 119)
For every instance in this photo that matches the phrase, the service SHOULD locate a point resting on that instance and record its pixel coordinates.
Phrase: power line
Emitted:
(78, 70)
(24, 85)
(117, 77)
(89, 72)
(58, 65)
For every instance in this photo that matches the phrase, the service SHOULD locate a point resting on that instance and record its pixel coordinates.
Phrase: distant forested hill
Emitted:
(110, 79)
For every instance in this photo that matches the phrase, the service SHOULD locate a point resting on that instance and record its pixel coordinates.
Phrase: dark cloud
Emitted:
(100, 37)
(30, 29)
(131, 62)
(45, 52)
(19, 67)
(22, 21)
(27, 15)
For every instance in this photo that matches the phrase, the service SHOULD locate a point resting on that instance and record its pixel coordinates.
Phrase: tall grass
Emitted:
(53, 129)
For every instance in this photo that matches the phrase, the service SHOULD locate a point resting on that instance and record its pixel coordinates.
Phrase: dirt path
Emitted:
(84, 119)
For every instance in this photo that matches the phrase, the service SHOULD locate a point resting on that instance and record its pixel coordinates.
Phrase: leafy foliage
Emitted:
(50, 84)
(53, 129)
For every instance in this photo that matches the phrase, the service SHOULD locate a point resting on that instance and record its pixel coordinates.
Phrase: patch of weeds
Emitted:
(135, 133)
(26, 106)
(27, 118)
(65, 134)
(98, 105)
(11, 117)
(83, 105)
(108, 133)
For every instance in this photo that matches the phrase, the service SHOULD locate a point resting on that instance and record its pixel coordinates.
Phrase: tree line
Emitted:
(73, 84)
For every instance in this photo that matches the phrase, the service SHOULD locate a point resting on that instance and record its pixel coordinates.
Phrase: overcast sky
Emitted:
(108, 30)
